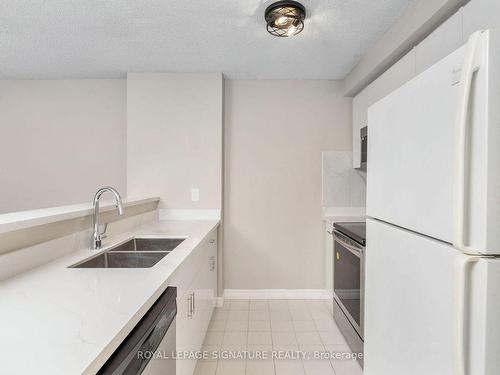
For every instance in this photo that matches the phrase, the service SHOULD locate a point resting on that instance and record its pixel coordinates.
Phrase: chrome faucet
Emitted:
(98, 235)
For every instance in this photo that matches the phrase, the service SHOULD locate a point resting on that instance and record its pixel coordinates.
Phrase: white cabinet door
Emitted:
(205, 288)
(210, 279)
(196, 306)
(400, 73)
(199, 308)
(328, 257)
(440, 43)
(185, 334)
(480, 15)
(213, 270)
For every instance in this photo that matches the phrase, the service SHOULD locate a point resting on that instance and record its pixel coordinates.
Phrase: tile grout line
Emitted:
(322, 341)
(248, 329)
(223, 334)
(297, 339)
(271, 332)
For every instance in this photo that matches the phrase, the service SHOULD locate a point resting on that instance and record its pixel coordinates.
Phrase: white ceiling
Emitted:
(107, 38)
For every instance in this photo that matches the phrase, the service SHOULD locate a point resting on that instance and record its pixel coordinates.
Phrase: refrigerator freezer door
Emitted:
(412, 179)
(411, 306)
(411, 141)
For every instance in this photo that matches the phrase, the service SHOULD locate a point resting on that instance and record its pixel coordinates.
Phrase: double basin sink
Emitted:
(135, 253)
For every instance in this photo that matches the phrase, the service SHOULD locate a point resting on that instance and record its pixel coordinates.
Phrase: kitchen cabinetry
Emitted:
(475, 15)
(196, 281)
(440, 43)
(480, 15)
(204, 293)
(328, 256)
(397, 75)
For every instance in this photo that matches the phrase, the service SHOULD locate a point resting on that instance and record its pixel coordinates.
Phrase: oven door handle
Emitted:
(355, 250)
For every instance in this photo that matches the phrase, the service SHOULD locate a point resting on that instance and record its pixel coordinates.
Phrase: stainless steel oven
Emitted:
(348, 272)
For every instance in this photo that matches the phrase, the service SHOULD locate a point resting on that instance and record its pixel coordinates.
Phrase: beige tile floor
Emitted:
(264, 326)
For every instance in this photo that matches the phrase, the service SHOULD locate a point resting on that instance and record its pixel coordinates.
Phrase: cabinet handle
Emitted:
(193, 299)
(190, 306)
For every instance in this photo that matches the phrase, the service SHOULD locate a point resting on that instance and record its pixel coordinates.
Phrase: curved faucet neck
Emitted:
(96, 236)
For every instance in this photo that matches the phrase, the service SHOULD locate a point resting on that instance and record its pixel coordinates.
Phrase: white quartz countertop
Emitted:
(59, 320)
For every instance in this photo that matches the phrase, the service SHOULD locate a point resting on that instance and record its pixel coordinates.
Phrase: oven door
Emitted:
(348, 279)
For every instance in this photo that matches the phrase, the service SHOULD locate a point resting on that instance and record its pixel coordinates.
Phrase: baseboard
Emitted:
(330, 293)
(277, 294)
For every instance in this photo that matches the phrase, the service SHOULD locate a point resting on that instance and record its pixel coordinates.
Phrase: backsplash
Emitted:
(342, 185)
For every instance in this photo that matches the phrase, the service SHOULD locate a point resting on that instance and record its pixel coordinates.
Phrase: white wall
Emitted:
(60, 141)
(174, 138)
(275, 133)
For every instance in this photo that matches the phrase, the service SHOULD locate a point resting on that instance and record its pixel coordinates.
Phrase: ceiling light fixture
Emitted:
(285, 18)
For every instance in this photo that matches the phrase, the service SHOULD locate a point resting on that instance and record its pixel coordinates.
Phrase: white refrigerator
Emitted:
(432, 297)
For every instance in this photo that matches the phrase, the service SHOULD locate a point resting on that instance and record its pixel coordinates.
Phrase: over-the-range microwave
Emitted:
(364, 148)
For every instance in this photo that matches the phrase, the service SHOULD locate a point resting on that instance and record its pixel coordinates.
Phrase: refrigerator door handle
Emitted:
(461, 311)
(472, 63)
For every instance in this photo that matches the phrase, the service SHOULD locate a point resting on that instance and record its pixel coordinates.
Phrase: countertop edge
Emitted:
(25, 219)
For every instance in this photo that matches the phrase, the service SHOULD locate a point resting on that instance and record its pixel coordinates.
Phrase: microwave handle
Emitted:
(472, 63)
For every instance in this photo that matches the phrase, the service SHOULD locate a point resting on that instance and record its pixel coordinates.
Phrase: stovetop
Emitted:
(355, 230)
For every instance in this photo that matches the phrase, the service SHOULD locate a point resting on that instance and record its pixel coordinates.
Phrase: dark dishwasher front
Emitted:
(148, 349)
